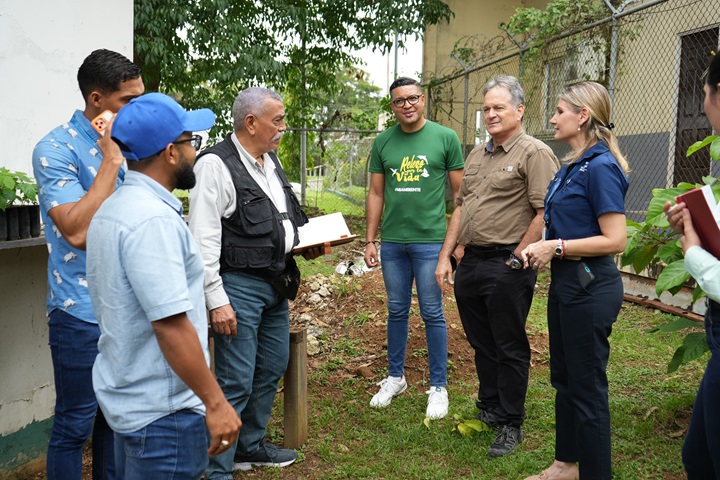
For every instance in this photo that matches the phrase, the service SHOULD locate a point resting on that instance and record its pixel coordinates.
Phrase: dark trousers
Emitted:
(701, 450)
(580, 321)
(494, 301)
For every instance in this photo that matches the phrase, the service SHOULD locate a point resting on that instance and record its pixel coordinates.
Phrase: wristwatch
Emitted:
(514, 262)
(560, 248)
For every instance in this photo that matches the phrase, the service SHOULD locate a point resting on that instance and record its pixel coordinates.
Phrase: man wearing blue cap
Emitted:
(145, 275)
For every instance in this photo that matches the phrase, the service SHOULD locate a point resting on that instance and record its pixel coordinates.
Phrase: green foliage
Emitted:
(356, 104)
(206, 51)
(16, 187)
(653, 244)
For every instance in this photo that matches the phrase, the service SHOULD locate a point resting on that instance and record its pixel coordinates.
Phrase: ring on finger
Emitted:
(224, 443)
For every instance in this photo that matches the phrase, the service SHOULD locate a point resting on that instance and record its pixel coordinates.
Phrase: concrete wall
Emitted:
(472, 17)
(42, 44)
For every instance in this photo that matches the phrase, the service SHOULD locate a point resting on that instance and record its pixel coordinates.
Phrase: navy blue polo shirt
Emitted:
(582, 191)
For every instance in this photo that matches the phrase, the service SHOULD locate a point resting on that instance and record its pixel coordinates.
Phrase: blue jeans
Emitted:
(701, 450)
(401, 263)
(173, 447)
(249, 366)
(73, 345)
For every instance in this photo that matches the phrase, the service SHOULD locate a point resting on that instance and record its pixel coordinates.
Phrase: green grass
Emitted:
(330, 202)
(348, 439)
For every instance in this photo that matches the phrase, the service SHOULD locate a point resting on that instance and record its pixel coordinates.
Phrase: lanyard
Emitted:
(555, 186)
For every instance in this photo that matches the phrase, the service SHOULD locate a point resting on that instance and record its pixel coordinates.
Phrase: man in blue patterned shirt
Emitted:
(73, 180)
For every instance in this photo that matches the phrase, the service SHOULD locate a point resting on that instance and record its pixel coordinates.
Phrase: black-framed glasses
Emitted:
(195, 141)
(412, 100)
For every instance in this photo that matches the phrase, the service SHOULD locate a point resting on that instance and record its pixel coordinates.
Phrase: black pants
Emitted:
(701, 450)
(580, 321)
(494, 301)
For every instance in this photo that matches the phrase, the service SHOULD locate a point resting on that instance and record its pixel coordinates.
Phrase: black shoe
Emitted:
(267, 455)
(488, 418)
(506, 441)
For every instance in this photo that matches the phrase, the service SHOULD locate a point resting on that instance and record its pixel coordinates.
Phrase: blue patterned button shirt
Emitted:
(65, 163)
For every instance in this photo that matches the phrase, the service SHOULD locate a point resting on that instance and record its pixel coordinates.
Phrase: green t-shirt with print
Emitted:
(415, 166)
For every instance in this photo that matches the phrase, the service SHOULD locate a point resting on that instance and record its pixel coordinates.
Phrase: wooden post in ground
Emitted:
(295, 388)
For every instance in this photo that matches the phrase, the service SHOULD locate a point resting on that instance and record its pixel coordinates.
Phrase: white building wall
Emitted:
(42, 44)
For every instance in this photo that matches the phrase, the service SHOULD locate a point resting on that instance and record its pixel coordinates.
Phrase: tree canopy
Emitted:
(206, 51)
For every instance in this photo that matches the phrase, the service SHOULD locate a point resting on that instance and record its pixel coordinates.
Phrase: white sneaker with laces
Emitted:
(389, 388)
(438, 403)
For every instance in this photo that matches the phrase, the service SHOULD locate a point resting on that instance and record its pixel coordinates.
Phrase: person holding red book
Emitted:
(701, 450)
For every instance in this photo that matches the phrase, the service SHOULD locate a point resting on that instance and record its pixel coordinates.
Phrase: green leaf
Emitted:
(672, 275)
(671, 251)
(477, 425)
(715, 149)
(695, 346)
(701, 144)
(427, 422)
(643, 256)
(698, 293)
(464, 430)
(676, 360)
(679, 323)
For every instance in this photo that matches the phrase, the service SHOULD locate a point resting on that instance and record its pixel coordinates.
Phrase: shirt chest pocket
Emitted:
(507, 178)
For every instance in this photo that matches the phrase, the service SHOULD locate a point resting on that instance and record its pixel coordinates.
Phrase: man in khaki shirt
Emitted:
(499, 211)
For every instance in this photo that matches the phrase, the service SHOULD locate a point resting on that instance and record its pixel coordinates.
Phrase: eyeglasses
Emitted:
(195, 141)
(412, 100)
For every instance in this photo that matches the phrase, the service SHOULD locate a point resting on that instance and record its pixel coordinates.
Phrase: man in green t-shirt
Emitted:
(409, 166)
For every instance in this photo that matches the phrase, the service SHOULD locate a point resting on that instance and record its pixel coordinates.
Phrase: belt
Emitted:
(490, 251)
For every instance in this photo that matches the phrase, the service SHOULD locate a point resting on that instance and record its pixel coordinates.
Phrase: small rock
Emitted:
(364, 372)
(315, 298)
(323, 292)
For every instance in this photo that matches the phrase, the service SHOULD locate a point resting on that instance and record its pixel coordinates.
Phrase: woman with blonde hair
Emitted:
(584, 228)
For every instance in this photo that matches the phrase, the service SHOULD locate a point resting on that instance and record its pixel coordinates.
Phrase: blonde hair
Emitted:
(595, 98)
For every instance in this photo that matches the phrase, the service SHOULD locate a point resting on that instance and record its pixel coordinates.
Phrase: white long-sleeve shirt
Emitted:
(705, 269)
(213, 198)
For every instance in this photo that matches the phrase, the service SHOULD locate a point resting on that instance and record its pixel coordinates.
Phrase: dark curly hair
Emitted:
(104, 71)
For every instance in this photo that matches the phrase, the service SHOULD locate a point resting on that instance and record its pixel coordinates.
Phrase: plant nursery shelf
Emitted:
(25, 242)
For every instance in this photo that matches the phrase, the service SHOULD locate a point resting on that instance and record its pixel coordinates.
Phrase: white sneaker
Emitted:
(389, 388)
(438, 403)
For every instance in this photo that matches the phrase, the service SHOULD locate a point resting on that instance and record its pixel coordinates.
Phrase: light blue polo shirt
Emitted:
(143, 265)
(65, 163)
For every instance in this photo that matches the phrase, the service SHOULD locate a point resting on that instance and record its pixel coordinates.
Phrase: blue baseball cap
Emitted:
(148, 123)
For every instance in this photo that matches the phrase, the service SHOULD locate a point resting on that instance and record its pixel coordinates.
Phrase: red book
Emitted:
(703, 208)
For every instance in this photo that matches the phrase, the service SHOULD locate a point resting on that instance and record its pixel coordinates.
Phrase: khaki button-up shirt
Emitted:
(501, 189)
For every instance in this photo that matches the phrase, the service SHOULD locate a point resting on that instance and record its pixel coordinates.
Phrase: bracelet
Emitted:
(374, 242)
(563, 249)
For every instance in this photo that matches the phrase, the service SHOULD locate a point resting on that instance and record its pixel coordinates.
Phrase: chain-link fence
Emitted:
(650, 55)
(335, 167)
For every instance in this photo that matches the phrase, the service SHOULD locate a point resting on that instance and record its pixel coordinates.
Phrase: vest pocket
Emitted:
(257, 217)
(249, 257)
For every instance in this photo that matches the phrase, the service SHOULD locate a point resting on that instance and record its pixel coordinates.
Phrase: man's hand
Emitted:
(371, 255)
(675, 216)
(313, 252)
(223, 320)
(224, 427)
(110, 150)
(443, 273)
(690, 238)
